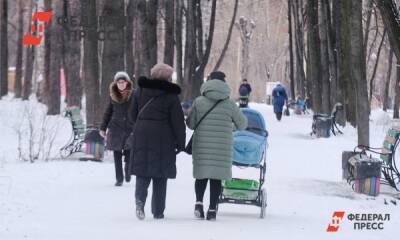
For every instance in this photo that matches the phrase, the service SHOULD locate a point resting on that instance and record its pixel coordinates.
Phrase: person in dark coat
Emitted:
(244, 88)
(279, 98)
(115, 119)
(159, 134)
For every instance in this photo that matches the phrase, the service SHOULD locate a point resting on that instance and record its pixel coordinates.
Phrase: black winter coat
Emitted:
(160, 130)
(115, 118)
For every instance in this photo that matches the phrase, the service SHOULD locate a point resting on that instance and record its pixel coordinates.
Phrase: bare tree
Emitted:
(56, 37)
(387, 83)
(72, 52)
(314, 58)
(325, 74)
(371, 81)
(113, 48)
(129, 60)
(147, 37)
(246, 27)
(397, 92)
(228, 38)
(169, 32)
(196, 58)
(91, 62)
(390, 16)
(30, 58)
(3, 48)
(346, 85)
(178, 40)
(299, 43)
(358, 72)
(18, 64)
(291, 58)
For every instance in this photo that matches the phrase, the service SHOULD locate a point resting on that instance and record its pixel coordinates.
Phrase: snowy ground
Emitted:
(77, 200)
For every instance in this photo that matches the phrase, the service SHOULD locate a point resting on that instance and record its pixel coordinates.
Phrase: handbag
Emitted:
(188, 148)
(129, 141)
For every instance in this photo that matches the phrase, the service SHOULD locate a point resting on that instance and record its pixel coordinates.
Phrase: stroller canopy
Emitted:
(249, 145)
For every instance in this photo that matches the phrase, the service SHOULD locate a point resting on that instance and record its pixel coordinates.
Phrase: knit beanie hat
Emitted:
(122, 75)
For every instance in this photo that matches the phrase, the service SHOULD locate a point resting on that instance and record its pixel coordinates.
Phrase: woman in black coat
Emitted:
(115, 119)
(159, 135)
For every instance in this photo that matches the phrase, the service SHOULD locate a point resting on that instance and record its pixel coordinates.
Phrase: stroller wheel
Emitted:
(263, 199)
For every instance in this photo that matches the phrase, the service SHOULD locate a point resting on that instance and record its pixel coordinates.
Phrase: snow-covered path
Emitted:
(77, 200)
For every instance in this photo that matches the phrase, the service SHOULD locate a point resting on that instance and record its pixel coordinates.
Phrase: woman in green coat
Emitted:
(213, 139)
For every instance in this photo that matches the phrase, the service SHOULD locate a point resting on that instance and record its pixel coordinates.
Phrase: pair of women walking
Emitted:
(158, 126)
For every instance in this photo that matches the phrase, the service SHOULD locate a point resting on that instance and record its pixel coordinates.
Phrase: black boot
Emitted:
(158, 216)
(211, 215)
(118, 183)
(140, 210)
(198, 211)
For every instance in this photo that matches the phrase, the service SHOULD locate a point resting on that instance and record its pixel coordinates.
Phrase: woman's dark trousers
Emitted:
(118, 165)
(158, 196)
(215, 190)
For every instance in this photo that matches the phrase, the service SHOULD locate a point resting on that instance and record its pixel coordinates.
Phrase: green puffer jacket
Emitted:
(212, 140)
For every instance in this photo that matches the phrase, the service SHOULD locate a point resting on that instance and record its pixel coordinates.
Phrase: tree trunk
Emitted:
(152, 9)
(387, 83)
(44, 86)
(147, 24)
(169, 33)
(206, 53)
(325, 74)
(30, 56)
(291, 58)
(72, 53)
(228, 38)
(314, 54)
(190, 51)
(56, 37)
(129, 59)
(371, 81)
(369, 10)
(113, 48)
(178, 40)
(332, 22)
(358, 73)
(3, 48)
(346, 84)
(299, 37)
(90, 63)
(18, 64)
(390, 18)
(397, 92)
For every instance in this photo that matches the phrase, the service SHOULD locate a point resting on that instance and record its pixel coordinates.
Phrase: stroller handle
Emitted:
(264, 132)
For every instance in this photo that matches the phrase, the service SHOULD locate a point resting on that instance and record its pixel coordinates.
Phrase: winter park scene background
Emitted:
(324, 78)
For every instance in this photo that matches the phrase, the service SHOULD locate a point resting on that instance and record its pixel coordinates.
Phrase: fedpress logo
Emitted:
(360, 221)
(336, 220)
(43, 19)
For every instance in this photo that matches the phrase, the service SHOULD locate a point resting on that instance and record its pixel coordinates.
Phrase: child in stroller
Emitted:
(249, 150)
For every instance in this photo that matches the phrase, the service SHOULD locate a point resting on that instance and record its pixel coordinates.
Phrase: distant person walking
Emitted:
(279, 98)
(212, 140)
(115, 124)
(244, 88)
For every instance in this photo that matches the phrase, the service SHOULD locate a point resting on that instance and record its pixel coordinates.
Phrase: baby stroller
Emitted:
(249, 150)
(298, 106)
